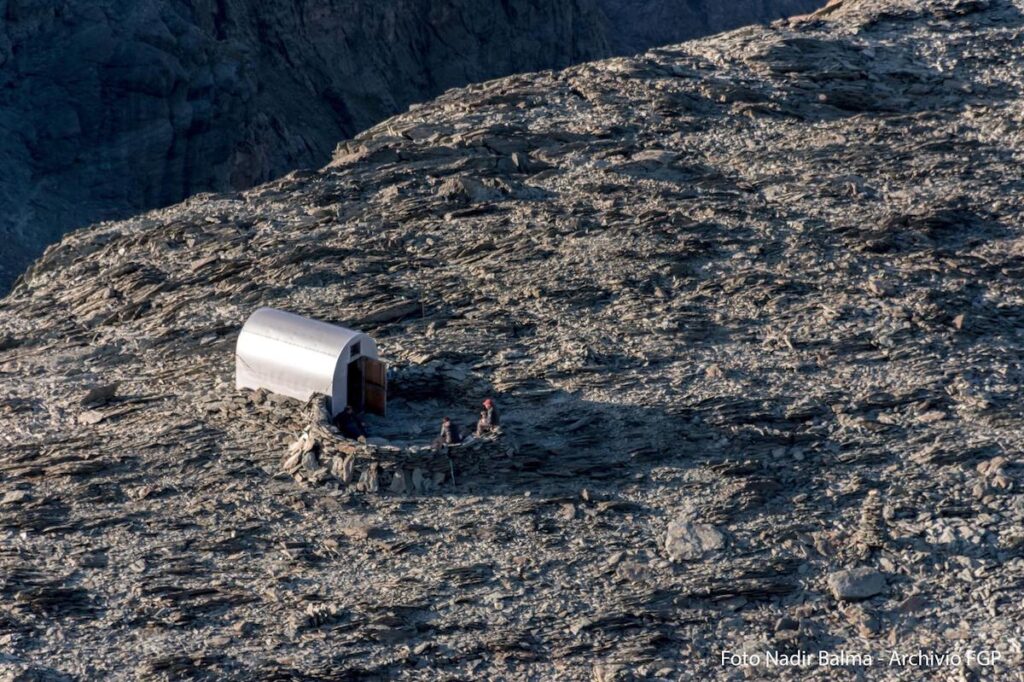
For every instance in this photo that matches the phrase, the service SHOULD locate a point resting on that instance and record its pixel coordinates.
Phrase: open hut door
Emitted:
(375, 386)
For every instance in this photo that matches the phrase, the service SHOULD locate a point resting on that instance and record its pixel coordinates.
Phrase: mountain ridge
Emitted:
(751, 307)
(118, 107)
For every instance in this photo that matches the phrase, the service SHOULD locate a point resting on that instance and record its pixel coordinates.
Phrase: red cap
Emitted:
(488, 402)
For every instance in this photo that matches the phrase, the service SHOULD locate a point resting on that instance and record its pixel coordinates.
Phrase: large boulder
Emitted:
(689, 541)
(856, 584)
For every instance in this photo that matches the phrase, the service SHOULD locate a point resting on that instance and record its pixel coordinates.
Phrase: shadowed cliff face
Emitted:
(635, 26)
(112, 107)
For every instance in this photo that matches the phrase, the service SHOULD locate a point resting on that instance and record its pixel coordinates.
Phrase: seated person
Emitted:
(489, 420)
(350, 425)
(449, 434)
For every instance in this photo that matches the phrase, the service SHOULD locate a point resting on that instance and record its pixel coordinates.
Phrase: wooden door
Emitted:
(375, 386)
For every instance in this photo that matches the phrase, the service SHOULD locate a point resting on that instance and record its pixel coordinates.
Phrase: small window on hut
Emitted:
(356, 349)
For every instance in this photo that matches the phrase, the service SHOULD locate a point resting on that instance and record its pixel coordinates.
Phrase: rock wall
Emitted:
(635, 26)
(112, 107)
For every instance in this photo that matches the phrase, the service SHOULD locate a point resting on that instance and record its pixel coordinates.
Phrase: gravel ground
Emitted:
(752, 305)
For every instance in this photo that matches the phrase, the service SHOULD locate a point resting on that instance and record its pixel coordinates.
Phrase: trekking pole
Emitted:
(451, 468)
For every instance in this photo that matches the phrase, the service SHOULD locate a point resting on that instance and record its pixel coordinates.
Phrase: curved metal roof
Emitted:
(295, 356)
(294, 330)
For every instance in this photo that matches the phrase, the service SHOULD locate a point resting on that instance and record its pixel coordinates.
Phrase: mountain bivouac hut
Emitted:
(298, 357)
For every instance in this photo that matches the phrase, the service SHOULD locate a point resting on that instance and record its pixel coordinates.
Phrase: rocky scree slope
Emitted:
(753, 307)
(114, 107)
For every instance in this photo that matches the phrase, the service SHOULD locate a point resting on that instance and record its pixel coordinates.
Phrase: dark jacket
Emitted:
(450, 434)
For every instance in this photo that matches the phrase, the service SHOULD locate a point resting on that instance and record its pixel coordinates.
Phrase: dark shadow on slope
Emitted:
(838, 69)
(582, 467)
(941, 230)
(747, 453)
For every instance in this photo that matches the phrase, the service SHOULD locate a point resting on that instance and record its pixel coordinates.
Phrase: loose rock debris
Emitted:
(768, 283)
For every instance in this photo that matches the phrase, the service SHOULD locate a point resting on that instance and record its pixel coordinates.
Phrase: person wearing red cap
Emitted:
(489, 420)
